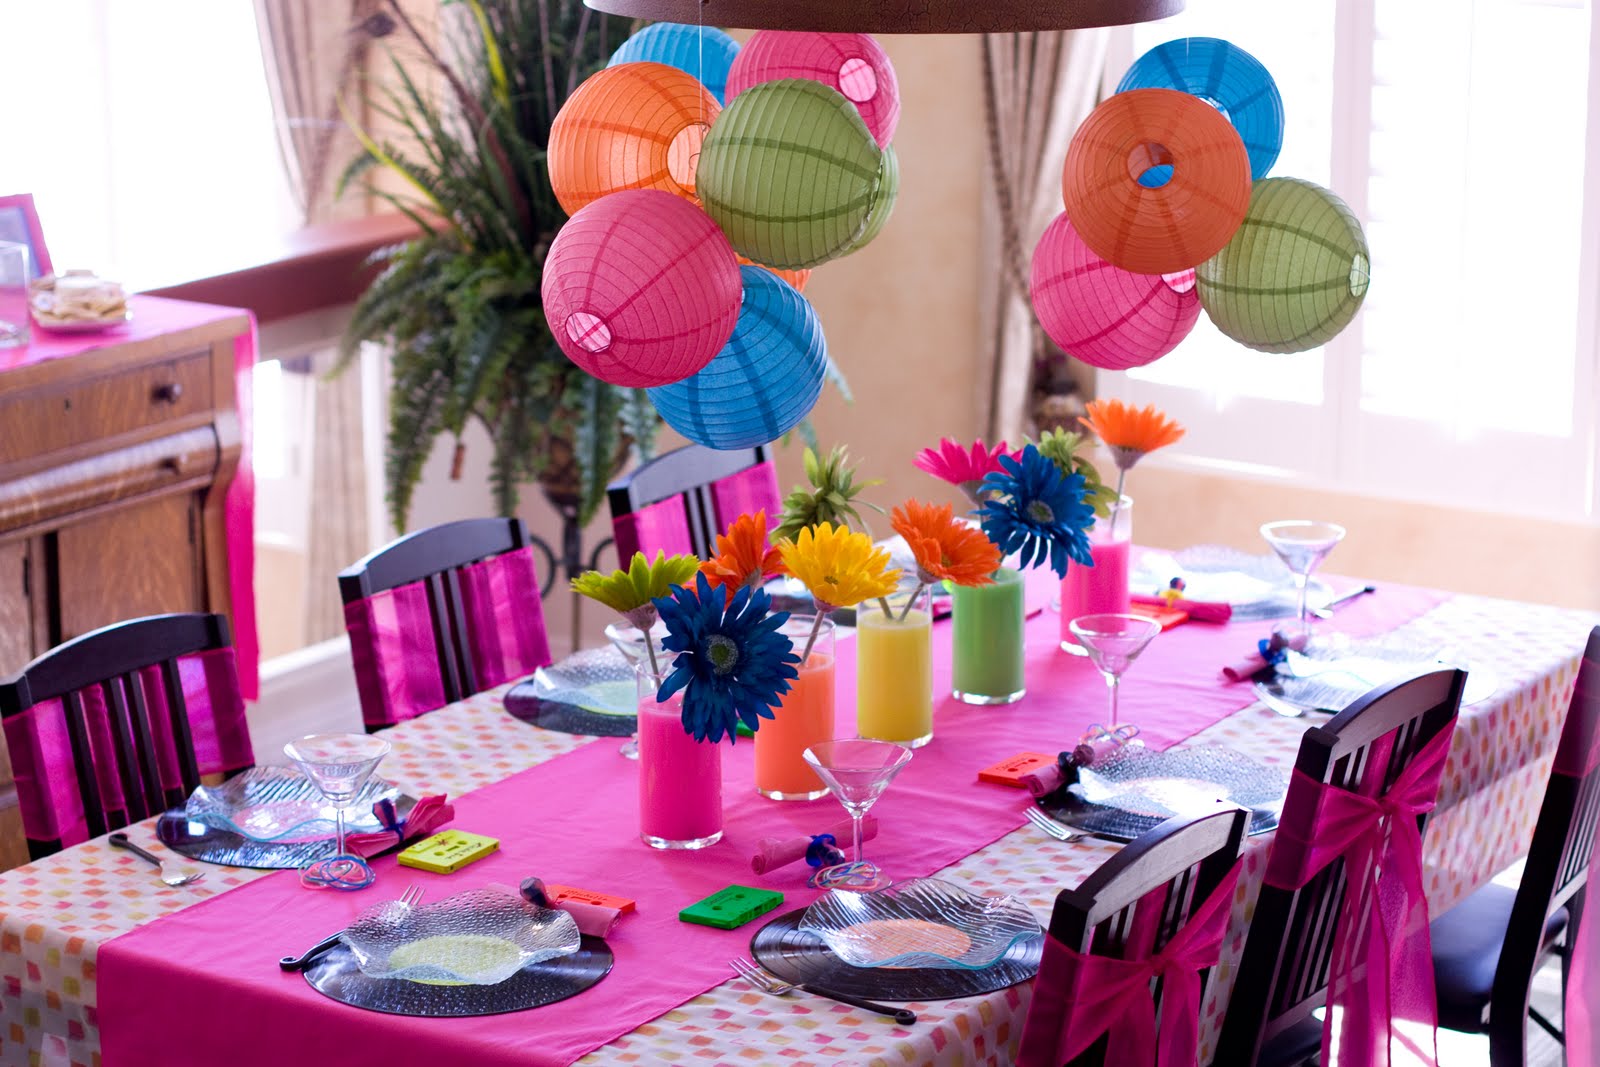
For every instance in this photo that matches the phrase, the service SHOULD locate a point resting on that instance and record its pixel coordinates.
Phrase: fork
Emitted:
(409, 899)
(1053, 828)
(770, 984)
(172, 878)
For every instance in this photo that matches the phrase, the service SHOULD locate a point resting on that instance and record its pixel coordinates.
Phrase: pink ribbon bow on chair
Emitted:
(1078, 997)
(1381, 970)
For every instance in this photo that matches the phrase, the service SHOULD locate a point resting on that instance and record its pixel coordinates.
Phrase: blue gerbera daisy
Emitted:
(1030, 507)
(732, 662)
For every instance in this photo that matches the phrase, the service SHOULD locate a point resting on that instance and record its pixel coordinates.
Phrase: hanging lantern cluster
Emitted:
(695, 225)
(1168, 210)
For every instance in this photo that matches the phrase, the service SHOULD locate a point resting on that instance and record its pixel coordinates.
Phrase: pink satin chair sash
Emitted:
(1577, 758)
(396, 660)
(747, 492)
(659, 527)
(504, 617)
(41, 747)
(1381, 971)
(1077, 997)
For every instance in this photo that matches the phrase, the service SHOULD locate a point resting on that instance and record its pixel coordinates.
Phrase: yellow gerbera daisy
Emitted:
(841, 567)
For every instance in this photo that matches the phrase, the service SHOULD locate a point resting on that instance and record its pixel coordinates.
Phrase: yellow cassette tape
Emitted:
(449, 850)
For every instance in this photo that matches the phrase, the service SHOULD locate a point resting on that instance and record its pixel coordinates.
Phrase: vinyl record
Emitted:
(210, 844)
(781, 948)
(337, 976)
(524, 702)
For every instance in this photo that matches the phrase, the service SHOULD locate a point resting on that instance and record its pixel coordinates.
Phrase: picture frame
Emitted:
(19, 222)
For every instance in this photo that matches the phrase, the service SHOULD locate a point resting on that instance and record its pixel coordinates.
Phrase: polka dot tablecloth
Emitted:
(55, 913)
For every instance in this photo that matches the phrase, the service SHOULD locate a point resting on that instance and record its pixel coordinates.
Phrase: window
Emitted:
(1464, 135)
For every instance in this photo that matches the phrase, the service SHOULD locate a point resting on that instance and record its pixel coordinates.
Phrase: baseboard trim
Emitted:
(308, 690)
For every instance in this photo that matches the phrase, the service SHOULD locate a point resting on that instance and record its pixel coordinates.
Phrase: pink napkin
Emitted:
(1049, 778)
(1247, 667)
(425, 817)
(1199, 610)
(595, 920)
(775, 852)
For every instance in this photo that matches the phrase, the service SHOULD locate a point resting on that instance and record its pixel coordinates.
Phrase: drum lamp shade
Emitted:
(853, 64)
(1178, 222)
(790, 173)
(641, 288)
(1226, 77)
(703, 52)
(1293, 275)
(763, 382)
(631, 126)
(1106, 316)
(796, 278)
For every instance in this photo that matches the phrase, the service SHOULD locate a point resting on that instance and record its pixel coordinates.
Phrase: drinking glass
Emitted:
(894, 671)
(803, 717)
(857, 770)
(988, 641)
(338, 765)
(1302, 545)
(1103, 587)
(680, 779)
(630, 641)
(1113, 641)
(14, 331)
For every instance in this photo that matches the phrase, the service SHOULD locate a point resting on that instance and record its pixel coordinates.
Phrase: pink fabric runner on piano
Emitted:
(574, 820)
(154, 316)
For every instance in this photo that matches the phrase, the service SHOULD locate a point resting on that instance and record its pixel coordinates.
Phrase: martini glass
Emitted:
(857, 771)
(1113, 641)
(1302, 544)
(338, 765)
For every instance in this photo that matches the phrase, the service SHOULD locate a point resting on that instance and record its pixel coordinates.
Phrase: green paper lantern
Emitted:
(882, 201)
(1293, 275)
(791, 173)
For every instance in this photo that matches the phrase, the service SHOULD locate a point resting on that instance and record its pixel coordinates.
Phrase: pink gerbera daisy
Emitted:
(962, 466)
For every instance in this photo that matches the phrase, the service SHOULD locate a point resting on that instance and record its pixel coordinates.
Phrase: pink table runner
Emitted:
(154, 316)
(211, 969)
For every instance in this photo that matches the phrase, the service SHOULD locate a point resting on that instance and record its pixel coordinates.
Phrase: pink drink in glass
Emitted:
(680, 779)
(1104, 587)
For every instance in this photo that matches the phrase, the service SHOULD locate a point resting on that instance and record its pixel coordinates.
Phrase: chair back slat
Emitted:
(1283, 975)
(1132, 907)
(680, 501)
(87, 712)
(423, 571)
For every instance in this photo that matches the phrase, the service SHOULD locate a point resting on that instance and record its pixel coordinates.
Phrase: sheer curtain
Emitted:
(315, 53)
(1037, 88)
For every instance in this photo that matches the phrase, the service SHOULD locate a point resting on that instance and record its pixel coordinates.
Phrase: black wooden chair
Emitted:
(1487, 949)
(1283, 975)
(440, 614)
(1189, 858)
(120, 724)
(680, 501)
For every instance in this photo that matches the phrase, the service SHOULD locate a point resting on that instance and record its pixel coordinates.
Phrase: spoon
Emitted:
(1326, 611)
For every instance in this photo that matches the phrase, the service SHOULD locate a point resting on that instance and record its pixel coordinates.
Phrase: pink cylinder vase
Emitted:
(1104, 587)
(680, 779)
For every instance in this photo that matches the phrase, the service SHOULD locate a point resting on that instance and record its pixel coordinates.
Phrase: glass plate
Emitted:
(923, 922)
(211, 844)
(480, 937)
(1138, 789)
(282, 804)
(590, 692)
(1258, 587)
(1333, 672)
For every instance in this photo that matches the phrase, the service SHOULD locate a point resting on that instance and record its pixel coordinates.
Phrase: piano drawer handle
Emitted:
(169, 392)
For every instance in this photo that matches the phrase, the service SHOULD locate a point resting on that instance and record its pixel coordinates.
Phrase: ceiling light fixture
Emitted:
(896, 16)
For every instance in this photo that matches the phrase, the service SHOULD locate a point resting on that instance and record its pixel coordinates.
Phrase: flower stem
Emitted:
(1116, 505)
(816, 628)
(650, 647)
(907, 609)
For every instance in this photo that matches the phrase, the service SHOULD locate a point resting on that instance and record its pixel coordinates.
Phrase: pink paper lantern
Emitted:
(852, 63)
(1106, 316)
(641, 288)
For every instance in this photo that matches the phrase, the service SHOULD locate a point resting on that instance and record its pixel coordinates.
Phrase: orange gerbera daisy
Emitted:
(945, 548)
(1129, 432)
(744, 556)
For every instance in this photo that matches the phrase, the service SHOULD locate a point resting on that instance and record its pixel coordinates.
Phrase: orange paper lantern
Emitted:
(632, 126)
(1177, 217)
(796, 278)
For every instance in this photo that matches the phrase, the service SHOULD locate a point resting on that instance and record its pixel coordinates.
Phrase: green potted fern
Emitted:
(459, 305)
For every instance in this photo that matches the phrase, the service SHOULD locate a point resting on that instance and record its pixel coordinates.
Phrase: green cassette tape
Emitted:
(731, 907)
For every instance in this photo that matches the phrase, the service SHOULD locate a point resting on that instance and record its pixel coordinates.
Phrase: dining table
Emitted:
(104, 964)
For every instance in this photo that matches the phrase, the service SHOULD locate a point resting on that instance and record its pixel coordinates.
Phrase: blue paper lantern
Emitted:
(1229, 79)
(763, 382)
(704, 51)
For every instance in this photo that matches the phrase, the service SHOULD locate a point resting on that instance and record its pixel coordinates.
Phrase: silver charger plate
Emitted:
(1138, 789)
(921, 922)
(1257, 586)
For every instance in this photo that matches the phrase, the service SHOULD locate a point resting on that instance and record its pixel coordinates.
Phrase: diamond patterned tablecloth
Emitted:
(55, 913)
